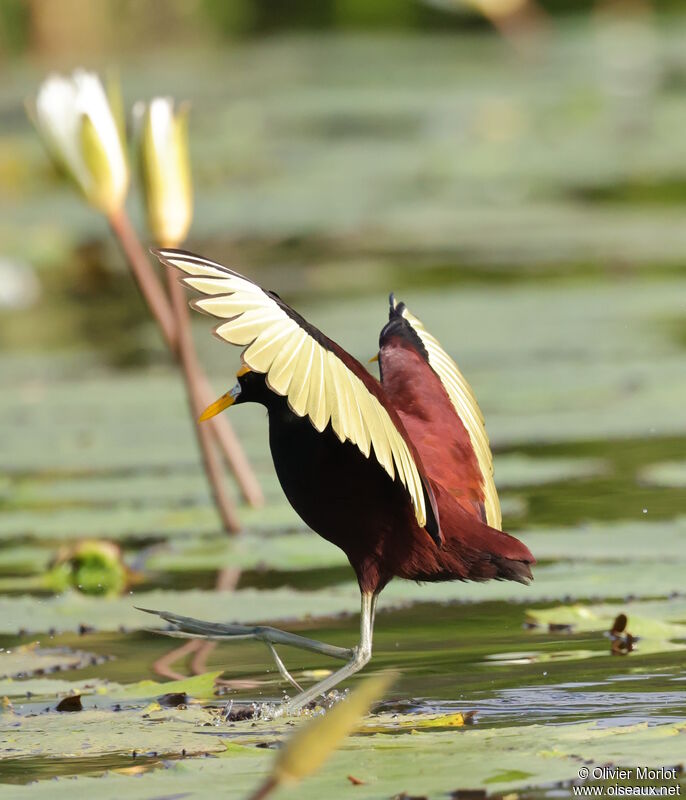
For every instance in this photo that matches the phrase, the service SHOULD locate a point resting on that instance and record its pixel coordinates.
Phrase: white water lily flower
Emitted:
(74, 117)
(165, 169)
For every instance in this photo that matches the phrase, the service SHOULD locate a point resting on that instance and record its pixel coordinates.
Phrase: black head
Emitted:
(250, 388)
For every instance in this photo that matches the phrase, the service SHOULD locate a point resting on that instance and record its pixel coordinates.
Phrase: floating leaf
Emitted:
(69, 611)
(96, 731)
(525, 755)
(640, 540)
(516, 470)
(649, 635)
(286, 552)
(394, 723)
(601, 617)
(31, 659)
(670, 474)
(197, 686)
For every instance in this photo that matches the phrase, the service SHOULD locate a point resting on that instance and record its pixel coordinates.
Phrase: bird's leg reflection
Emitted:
(357, 657)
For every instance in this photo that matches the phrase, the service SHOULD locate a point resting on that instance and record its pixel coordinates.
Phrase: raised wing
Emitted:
(320, 380)
(464, 402)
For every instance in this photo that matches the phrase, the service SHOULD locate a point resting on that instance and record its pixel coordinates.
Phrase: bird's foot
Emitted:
(190, 628)
(360, 656)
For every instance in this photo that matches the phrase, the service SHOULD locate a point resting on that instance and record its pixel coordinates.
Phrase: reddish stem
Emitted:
(165, 317)
(150, 287)
(231, 448)
(191, 368)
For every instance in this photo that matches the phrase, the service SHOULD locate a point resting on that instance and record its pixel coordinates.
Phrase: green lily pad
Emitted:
(197, 686)
(671, 474)
(654, 635)
(25, 660)
(427, 763)
(24, 559)
(98, 693)
(516, 470)
(120, 522)
(41, 689)
(291, 552)
(639, 539)
(577, 580)
(635, 541)
(600, 618)
(94, 731)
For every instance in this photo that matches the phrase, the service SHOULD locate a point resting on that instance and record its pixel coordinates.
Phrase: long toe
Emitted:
(200, 627)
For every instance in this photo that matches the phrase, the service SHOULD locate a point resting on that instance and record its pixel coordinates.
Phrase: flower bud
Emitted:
(165, 169)
(76, 123)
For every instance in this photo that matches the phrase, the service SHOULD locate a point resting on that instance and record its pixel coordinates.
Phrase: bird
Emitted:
(396, 472)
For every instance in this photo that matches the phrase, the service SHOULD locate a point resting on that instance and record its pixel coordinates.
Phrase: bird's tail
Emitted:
(478, 551)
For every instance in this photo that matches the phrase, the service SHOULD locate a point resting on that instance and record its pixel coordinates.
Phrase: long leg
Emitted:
(357, 657)
(360, 656)
(375, 597)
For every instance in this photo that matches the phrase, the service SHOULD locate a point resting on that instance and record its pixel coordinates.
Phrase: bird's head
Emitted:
(250, 388)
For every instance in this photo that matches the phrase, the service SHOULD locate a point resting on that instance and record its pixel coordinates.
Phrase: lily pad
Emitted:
(26, 660)
(24, 559)
(291, 552)
(634, 540)
(577, 580)
(95, 731)
(100, 693)
(671, 474)
(121, 522)
(516, 470)
(600, 618)
(427, 763)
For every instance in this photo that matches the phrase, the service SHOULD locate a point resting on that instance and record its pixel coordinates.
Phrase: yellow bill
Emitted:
(221, 404)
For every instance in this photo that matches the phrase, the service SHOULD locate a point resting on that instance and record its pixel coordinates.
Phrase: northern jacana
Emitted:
(396, 473)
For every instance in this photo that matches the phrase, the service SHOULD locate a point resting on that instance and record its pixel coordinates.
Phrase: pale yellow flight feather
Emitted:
(464, 402)
(315, 381)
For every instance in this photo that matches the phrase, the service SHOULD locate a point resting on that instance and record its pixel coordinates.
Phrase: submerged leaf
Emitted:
(393, 723)
(31, 659)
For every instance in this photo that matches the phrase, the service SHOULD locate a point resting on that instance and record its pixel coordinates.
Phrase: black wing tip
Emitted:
(396, 308)
(433, 522)
(399, 325)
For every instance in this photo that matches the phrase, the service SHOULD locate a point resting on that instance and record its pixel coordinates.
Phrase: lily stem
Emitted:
(173, 331)
(190, 367)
